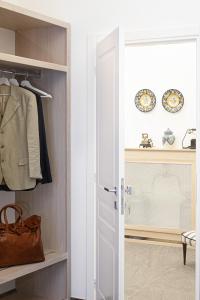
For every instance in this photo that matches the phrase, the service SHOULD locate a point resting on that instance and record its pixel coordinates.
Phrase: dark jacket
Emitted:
(44, 157)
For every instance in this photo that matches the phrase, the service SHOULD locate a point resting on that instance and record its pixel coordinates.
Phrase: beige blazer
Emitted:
(19, 139)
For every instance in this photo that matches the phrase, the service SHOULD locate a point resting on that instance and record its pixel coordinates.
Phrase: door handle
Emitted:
(111, 190)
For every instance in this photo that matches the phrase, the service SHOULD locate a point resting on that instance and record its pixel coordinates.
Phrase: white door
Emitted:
(110, 169)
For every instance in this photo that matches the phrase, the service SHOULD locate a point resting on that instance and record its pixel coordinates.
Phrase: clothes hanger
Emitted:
(26, 83)
(13, 81)
(4, 81)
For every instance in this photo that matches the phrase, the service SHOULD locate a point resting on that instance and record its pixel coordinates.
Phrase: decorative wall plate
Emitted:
(172, 100)
(145, 100)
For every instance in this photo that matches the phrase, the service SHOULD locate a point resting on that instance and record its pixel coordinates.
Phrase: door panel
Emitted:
(110, 163)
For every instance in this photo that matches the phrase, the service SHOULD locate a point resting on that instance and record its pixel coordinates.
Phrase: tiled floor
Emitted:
(157, 272)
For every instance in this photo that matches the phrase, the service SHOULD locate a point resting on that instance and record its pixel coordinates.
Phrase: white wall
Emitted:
(91, 16)
(160, 67)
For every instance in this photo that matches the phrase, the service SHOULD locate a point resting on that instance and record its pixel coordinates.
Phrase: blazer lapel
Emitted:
(11, 107)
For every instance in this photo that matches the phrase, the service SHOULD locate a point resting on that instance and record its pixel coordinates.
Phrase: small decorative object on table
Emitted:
(189, 140)
(168, 138)
(146, 142)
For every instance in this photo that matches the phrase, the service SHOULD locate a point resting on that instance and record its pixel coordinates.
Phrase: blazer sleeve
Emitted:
(33, 138)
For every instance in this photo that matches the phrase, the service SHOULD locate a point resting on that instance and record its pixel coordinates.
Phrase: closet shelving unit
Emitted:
(42, 45)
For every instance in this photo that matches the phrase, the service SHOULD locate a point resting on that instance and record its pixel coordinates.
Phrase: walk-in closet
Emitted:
(37, 48)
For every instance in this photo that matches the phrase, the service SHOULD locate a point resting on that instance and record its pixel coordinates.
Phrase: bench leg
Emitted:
(184, 253)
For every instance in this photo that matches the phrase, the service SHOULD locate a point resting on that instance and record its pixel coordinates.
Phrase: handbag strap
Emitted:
(17, 208)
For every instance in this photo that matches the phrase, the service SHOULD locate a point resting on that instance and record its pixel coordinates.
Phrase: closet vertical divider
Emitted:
(42, 45)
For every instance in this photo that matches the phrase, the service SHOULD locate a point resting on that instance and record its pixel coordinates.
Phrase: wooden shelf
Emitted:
(13, 61)
(15, 18)
(12, 273)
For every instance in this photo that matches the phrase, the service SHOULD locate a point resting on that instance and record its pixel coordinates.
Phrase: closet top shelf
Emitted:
(9, 60)
(16, 18)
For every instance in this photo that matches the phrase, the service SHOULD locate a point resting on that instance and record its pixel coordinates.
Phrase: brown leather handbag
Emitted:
(20, 242)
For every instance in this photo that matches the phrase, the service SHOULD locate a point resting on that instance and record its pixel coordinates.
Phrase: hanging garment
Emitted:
(19, 139)
(44, 157)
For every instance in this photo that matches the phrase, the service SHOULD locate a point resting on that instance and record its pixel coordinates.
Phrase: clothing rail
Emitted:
(21, 73)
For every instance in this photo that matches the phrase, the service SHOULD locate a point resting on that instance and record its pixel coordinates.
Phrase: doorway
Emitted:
(160, 234)
(160, 169)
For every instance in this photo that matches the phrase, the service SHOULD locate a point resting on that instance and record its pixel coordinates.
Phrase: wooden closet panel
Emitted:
(46, 44)
(49, 284)
(14, 295)
(7, 38)
(16, 17)
(6, 198)
(50, 200)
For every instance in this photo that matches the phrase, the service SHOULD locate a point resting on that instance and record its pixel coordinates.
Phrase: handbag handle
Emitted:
(17, 208)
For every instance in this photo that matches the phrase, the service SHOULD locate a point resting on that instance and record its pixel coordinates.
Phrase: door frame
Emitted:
(137, 38)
